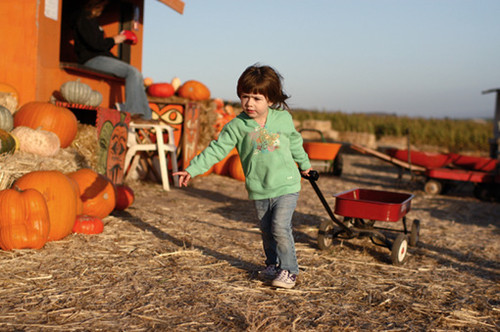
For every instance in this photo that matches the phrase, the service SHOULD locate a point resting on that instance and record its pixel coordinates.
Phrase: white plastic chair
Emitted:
(136, 145)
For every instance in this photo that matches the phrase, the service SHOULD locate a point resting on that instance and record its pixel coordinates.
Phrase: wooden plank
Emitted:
(176, 5)
(387, 158)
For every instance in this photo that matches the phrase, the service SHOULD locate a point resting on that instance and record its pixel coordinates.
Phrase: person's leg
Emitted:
(136, 101)
(264, 214)
(282, 213)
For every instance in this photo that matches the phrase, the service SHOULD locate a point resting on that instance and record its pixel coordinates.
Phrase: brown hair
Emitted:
(263, 80)
(91, 4)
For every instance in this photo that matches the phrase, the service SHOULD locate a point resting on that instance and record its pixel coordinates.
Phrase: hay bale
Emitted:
(321, 125)
(365, 139)
(81, 153)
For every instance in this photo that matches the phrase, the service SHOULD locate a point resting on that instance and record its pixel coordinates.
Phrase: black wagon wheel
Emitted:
(326, 234)
(433, 187)
(399, 249)
(415, 232)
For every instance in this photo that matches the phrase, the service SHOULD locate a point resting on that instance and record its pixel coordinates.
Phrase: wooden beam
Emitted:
(176, 5)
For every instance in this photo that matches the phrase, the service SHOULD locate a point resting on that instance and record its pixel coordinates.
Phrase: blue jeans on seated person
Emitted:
(136, 101)
(275, 215)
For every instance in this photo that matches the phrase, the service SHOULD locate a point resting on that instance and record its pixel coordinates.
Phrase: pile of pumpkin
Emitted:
(231, 164)
(48, 205)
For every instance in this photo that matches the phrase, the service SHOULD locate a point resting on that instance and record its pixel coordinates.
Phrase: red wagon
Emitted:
(361, 209)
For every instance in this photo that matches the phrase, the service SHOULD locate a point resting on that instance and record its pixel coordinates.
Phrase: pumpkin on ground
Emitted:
(194, 90)
(222, 167)
(6, 119)
(124, 197)
(76, 92)
(88, 225)
(161, 90)
(7, 142)
(79, 202)
(24, 219)
(235, 168)
(96, 191)
(50, 117)
(60, 196)
(37, 141)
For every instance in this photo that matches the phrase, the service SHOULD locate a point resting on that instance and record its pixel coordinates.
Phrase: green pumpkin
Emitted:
(95, 98)
(6, 119)
(76, 92)
(7, 142)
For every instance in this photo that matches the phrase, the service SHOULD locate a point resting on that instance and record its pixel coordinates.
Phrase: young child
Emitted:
(270, 149)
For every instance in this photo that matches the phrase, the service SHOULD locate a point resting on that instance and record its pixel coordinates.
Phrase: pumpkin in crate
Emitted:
(24, 219)
(88, 225)
(194, 90)
(60, 196)
(124, 197)
(96, 191)
(235, 168)
(76, 92)
(6, 119)
(161, 90)
(37, 141)
(95, 99)
(7, 142)
(59, 120)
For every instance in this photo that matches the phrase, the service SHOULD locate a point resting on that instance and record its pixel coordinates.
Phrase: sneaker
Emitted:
(284, 279)
(270, 272)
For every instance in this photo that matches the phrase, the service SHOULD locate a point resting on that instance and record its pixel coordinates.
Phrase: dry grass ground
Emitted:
(186, 260)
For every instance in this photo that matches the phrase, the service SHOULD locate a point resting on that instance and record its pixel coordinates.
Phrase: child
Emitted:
(270, 149)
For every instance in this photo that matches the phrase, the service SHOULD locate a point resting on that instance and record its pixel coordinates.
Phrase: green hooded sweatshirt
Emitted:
(269, 155)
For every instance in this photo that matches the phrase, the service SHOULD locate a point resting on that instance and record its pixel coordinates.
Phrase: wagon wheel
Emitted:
(326, 234)
(399, 249)
(415, 232)
(433, 187)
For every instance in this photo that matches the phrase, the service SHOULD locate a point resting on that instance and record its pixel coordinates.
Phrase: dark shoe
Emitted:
(269, 273)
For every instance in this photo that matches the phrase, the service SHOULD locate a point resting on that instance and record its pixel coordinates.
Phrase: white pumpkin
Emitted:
(38, 141)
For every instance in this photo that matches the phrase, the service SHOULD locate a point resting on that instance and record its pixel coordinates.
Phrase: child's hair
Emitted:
(263, 80)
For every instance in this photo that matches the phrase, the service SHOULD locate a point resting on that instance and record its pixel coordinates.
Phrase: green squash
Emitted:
(7, 142)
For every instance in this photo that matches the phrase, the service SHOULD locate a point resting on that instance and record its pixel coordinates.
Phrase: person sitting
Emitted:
(93, 50)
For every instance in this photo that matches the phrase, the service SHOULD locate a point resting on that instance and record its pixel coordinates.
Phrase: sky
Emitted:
(417, 58)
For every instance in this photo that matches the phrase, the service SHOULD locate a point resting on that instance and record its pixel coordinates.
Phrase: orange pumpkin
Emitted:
(222, 167)
(50, 117)
(79, 203)
(96, 191)
(24, 219)
(194, 90)
(235, 168)
(60, 196)
(124, 197)
(88, 225)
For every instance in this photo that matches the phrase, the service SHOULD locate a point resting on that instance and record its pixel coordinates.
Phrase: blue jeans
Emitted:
(275, 215)
(136, 101)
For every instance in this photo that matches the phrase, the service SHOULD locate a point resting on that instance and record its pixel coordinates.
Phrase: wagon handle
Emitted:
(313, 176)
(316, 131)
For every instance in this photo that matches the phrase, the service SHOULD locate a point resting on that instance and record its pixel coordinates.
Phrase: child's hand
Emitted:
(184, 178)
(306, 172)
